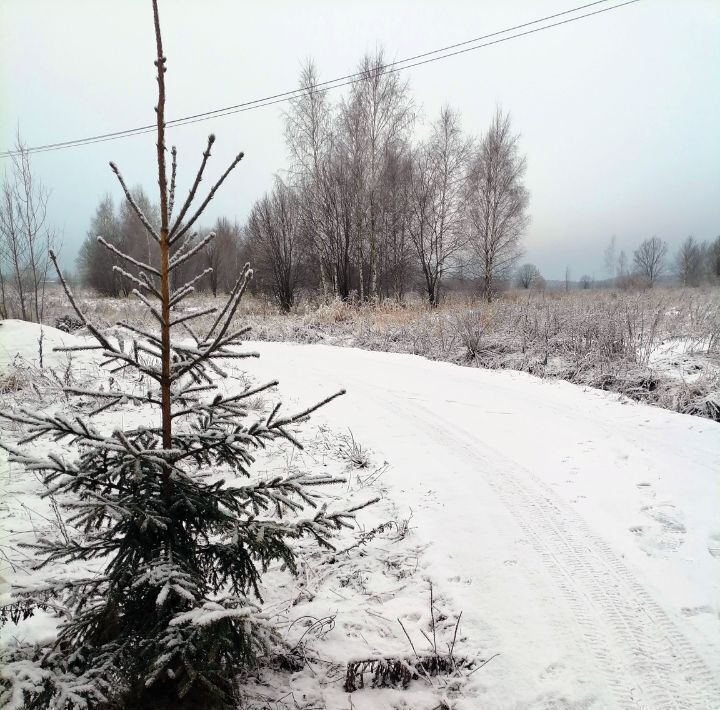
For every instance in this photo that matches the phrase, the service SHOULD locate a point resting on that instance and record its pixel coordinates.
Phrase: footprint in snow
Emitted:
(667, 516)
(646, 489)
(663, 533)
(457, 579)
(714, 545)
(695, 610)
(552, 670)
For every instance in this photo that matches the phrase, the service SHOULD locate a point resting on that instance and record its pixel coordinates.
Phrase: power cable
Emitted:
(336, 83)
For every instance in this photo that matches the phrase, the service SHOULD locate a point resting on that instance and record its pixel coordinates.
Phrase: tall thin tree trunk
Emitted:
(13, 244)
(361, 275)
(488, 284)
(3, 303)
(373, 286)
(165, 385)
(19, 277)
(323, 279)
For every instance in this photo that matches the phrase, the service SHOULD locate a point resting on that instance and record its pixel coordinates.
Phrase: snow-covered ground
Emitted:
(577, 532)
(683, 359)
(25, 342)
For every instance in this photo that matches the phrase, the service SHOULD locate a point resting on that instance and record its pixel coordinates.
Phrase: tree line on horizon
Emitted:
(280, 275)
(370, 207)
(694, 263)
(365, 210)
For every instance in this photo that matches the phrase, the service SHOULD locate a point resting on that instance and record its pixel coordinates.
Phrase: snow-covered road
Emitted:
(579, 534)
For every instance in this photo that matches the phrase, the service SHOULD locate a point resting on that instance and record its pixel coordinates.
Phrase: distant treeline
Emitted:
(366, 210)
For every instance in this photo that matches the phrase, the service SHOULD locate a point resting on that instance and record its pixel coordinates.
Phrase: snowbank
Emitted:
(21, 339)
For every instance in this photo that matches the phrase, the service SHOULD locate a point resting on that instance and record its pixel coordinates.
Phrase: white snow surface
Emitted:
(21, 339)
(578, 532)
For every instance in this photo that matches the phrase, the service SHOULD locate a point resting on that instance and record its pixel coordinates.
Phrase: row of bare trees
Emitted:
(121, 229)
(697, 262)
(365, 211)
(368, 211)
(694, 263)
(25, 240)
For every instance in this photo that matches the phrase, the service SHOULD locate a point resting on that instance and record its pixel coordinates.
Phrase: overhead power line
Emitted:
(339, 82)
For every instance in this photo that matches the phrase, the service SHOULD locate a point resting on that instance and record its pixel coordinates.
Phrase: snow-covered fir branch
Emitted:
(193, 189)
(131, 201)
(130, 259)
(141, 280)
(187, 288)
(179, 259)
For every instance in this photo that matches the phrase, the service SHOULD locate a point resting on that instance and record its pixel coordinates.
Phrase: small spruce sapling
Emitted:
(174, 614)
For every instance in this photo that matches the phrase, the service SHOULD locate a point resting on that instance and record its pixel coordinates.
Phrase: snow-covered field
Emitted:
(577, 532)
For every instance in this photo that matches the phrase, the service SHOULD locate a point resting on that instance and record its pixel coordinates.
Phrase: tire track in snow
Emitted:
(638, 647)
(645, 660)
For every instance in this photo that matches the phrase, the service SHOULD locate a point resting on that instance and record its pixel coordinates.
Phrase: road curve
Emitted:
(571, 528)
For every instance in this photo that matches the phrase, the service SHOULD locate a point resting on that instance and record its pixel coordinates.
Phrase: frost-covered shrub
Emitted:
(469, 329)
(68, 323)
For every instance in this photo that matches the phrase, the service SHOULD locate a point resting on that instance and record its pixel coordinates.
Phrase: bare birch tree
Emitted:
(385, 115)
(309, 138)
(649, 259)
(274, 236)
(396, 256)
(528, 275)
(689, 262)
(13, 253)
(497, 203)
(611, 259)
(25, 239)
(437, 200)
(622, 279)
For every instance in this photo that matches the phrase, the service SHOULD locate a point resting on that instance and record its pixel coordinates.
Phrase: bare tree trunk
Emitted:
(165, 384)
(14, 244)
(323, 279)
(30, 226)
(488, 285)
(29, 215)
(498, 202)
(373, 285)
(3, 302)
(433, 293)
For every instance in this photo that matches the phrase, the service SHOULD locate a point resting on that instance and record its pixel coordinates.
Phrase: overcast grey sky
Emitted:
(619, 113)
